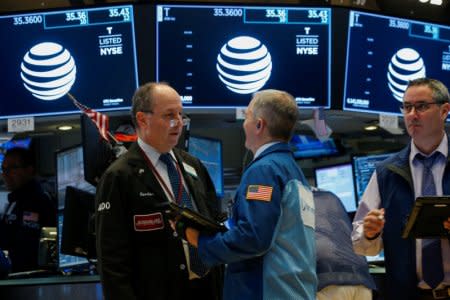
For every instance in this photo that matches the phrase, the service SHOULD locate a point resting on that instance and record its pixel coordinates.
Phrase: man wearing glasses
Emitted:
(139, 256)
(419, 169)
(29, 209)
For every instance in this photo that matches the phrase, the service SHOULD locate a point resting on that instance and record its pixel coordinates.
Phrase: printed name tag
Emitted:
(148, 222)
(190, 170)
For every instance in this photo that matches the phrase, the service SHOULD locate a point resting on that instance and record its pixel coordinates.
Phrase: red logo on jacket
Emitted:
(148, 222)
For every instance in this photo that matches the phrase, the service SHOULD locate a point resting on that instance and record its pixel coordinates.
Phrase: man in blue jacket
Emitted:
(392, 190)
(270, 245)
(342, 274)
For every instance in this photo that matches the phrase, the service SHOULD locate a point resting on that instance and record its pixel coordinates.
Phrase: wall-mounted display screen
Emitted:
(338, 179)
(364, 165)
(217, 56)
(384, 53)
(87, 52)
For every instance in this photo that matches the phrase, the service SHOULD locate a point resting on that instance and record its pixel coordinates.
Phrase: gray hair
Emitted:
(278, 109)
(439, 90)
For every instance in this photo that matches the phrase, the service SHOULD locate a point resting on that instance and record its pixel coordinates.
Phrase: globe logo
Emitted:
(405, 65)
(48, 71)
(244, 65)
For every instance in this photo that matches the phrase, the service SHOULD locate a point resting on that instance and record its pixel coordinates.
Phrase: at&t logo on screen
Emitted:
(405, 65)
(434, 2)
(48, 71)
(244, 65)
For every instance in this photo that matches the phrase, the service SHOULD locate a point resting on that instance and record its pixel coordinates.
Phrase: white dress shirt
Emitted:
(371, 200)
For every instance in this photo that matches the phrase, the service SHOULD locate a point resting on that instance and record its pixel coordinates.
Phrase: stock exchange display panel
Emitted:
(87, 52)
(384, 53)
(217, 56)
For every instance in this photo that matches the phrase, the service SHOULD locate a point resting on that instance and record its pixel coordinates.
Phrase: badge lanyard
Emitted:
(161, 180)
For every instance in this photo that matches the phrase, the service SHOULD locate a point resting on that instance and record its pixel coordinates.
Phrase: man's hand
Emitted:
(192, 236)
(374, 223)
(188, 233)
(447, 224)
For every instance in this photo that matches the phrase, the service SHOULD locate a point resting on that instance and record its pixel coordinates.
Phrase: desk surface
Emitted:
(54, 279)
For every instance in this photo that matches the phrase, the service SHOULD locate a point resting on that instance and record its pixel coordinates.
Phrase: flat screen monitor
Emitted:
(66, 263)
(77, 238)
(69, 172)
(209, 151)
(384, 53)
(304, 146)
(97, 153)
(364, 165)
(89, 52)
(338, 179)
(223, 54)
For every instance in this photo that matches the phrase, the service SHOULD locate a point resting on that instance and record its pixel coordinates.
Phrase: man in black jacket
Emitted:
(29, 209)
(139, 255)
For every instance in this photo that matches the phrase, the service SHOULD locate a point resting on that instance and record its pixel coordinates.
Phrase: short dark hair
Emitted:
(25, 156)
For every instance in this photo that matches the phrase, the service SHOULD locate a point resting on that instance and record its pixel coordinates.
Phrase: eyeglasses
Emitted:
(420, 107)
(173, 118)
(6, 170)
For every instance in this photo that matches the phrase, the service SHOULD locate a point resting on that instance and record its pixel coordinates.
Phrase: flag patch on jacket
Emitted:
(259, 192)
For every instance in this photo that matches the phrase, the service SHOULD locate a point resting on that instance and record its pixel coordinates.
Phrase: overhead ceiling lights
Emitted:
(371, 127)
(65, 127)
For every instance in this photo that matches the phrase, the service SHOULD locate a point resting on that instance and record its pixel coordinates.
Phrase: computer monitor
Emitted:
(66, 263)
(209, 151)
(224, 53)
(338, 179)
(305, 146)
(69, 172)
(363, 166)
(89, 52)
(384, 53)
(77, 237)
(97, 153)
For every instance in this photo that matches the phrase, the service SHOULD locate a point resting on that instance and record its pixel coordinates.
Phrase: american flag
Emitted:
(259, 192)
(319, 121)
(101, 120)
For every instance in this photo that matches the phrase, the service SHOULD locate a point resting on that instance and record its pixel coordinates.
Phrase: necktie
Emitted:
(432, 268)
(195, 263)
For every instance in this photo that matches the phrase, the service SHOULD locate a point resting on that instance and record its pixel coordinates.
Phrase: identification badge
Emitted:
(189, 169)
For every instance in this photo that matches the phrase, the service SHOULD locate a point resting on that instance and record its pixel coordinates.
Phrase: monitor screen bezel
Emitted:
(74, 110)
(221, 192)
(330, 49)
(334, 166)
